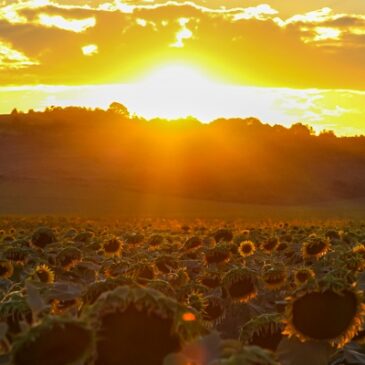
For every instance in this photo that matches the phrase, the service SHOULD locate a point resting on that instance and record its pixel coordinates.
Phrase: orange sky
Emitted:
(292, 60)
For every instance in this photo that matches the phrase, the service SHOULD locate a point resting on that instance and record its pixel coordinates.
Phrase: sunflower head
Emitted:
(274, 276)
(319, 312)
(210, 278)
(241, 284)
(125, 314)
(155, 240)
(192, 243)
(112, 247)
(42, 237)
(97, 288)
(179, 278)
(214, 310)
(133, 238)
(246, 248)
(44, 273)
(263, 330)
(282, 246)
(243, 235)
(197, 300)
(218, 254)
(6, 269)
(270, 244)
(166, 263)
(13, 310)
(302, 275)
(223, 234)
(69, 257)
(17, 255)
(57, 340)
(143, 272)
(84, 237)
(315, 247)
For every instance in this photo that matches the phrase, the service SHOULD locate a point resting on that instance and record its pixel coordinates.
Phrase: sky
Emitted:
(281, 61)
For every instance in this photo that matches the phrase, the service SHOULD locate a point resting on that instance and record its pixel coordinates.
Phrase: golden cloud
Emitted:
(11, 59)
(250, 46)
(324, 24)
(89, 50)
(73, 25)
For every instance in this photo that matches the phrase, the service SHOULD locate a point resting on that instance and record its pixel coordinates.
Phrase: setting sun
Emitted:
(175, 90)
(176, 77)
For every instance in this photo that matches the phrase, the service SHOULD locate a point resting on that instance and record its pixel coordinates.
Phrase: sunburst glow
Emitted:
(174, 91)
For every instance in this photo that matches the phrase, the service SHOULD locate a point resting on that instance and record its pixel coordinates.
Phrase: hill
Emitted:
(241, 161)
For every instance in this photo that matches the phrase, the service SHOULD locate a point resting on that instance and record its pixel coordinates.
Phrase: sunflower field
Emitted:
(75, 291)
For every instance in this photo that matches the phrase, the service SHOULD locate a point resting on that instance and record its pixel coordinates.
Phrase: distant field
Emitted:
(99, 199)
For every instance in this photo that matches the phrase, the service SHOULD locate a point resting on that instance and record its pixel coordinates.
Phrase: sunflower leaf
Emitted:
(34, 299)
(293, 352)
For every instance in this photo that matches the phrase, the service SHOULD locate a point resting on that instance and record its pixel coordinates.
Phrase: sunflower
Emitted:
(192, 243)
(197, 300)
(6, 269)
(270, 245)
(274, 276)
(179, 278)
(42, 237)
(246, 248)
(114, 269)
(241, 284)
(302, 275)
(223, 234)
(155, 241)
(324, 314)
(17, 255)
(166, 263)
(14, 310)
(263, 330)
(315, 247)
(44, 274)
(112, 247)
(282, 246)
(55, 340)
(69, 257)
(214, 311)
(143, 272)
(210, 278)
(97, 288)
(242, 236)
(130, 317)
(218, 254)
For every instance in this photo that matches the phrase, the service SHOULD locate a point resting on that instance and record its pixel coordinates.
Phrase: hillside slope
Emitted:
(237, 160)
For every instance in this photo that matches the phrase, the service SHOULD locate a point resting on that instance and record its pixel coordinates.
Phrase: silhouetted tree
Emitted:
(300, 129)
(119, 108)
(327, 134)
